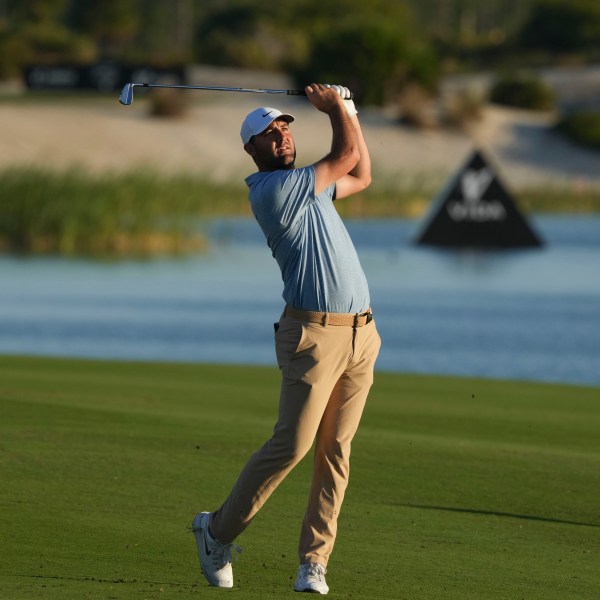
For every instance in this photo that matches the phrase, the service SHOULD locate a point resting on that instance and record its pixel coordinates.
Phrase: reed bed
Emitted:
(144, 213)
(139, 212)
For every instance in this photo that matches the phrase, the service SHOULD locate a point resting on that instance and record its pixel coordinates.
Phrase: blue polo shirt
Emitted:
(318, 262)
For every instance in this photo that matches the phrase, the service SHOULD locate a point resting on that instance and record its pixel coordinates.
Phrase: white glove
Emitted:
(344, 92)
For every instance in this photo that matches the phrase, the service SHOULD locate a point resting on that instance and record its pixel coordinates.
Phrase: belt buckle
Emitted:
(368, 315)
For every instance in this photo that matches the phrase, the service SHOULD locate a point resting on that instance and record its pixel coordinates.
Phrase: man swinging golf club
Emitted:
(326, 340)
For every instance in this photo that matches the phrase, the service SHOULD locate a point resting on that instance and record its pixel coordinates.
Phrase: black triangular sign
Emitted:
(475, 210)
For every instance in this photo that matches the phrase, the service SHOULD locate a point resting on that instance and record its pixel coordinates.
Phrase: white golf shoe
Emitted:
(311, 578)
(215, 558)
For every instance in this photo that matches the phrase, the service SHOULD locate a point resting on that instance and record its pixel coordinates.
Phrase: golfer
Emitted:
(326, 341)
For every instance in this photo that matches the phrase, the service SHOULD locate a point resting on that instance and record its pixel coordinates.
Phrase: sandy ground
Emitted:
(103, 136)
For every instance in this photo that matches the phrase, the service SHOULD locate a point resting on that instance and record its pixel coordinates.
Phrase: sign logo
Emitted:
(474, 184)
(472, 206)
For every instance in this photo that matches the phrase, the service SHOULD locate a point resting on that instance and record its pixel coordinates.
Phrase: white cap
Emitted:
(258, 120)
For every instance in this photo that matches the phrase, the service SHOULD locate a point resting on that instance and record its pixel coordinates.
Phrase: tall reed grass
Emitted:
(413, 201)
(143, 213)
(137, 212)
(575, 197)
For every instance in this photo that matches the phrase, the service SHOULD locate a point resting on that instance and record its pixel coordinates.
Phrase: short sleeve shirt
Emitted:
(319, 265)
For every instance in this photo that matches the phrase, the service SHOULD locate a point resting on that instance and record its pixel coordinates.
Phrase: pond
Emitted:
(523, 314)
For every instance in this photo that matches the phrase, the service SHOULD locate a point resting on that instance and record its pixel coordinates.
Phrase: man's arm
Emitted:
(359, 178)
(344, 156)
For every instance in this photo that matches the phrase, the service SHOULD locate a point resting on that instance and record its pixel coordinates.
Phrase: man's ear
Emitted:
(250, 149)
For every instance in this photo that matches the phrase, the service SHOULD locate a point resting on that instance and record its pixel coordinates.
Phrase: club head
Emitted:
(126, 96)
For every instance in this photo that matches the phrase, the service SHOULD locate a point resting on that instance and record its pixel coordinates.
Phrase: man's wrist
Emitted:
(338, 109)
(350, 108)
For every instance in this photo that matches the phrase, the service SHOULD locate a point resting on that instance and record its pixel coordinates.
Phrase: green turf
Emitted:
(460, 488)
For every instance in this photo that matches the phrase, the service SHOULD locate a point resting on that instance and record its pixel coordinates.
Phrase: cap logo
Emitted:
(267, 113)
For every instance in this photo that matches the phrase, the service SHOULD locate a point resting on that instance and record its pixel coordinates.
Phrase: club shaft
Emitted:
(126, 96)
(222, 89)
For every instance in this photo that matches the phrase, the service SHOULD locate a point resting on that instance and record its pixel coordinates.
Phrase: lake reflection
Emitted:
(531, 314)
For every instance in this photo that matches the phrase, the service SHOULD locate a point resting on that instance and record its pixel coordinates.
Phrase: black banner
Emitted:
(102, 77)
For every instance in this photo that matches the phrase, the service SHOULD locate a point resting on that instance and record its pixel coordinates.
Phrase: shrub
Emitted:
(523, 91)
(417, 107)
(462, 109)
(583, 128)
(168, 103)
(375, 58)
(562, 26)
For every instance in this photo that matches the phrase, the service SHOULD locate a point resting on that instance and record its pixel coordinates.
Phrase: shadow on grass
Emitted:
(493, 513)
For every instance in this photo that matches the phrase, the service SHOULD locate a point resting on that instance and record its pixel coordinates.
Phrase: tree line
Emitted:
(375, 47)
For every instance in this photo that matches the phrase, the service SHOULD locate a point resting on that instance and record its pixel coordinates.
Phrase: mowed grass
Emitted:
(460, 488)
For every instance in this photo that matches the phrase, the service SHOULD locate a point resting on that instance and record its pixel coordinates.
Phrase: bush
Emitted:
(417, 108)
(461, 109)
(13, 55)
(583, 128)
(375, 58)
(168, 103)
(522, 91)
(560, 26)
(42, 44)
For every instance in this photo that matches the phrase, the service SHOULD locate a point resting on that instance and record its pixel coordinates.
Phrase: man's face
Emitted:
(274, 148)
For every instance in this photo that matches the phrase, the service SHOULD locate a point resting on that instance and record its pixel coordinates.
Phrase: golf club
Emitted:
(126, 96)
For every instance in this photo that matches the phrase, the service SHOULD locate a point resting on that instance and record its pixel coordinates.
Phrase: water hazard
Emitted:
(527, 314)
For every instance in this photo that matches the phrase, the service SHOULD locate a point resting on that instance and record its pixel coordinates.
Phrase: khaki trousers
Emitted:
(327, 372)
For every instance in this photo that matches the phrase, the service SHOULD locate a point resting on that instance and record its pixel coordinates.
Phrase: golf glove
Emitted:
(344, 92)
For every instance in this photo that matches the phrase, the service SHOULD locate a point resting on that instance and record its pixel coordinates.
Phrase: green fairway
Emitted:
(460, 488)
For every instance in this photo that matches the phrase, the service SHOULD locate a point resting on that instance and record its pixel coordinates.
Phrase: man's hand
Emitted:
(323, 97)
(313, 91)
(346, 96)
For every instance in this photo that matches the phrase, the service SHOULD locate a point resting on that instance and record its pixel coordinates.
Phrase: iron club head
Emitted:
(126, 96)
